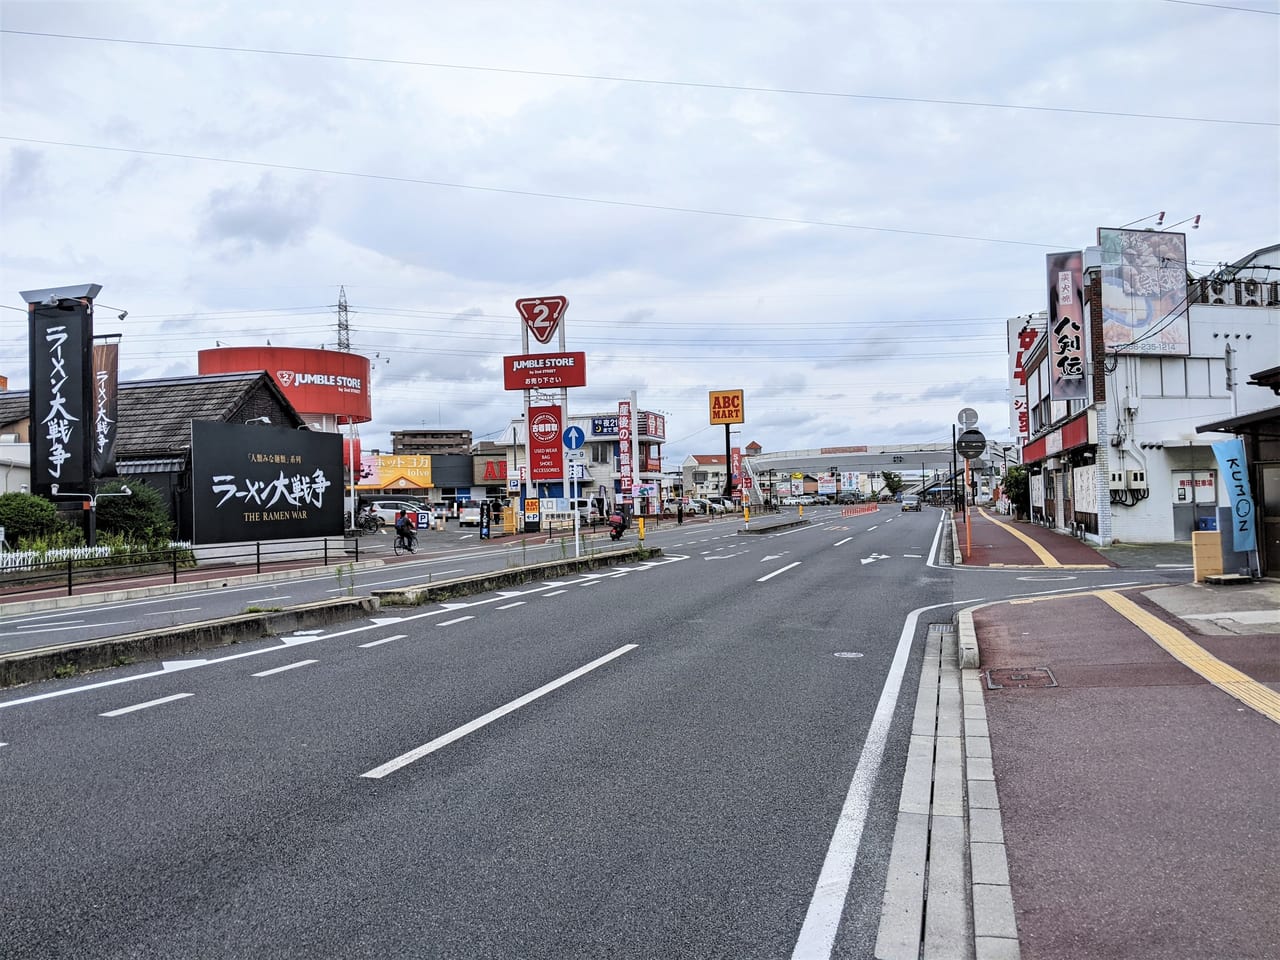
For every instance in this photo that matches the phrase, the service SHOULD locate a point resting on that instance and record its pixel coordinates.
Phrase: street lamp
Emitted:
(91, 534)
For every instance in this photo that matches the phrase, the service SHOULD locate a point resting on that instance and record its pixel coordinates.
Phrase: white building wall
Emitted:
(1156, 412)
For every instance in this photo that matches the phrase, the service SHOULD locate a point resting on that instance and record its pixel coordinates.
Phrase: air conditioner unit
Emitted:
(1217, 291)
(1248, 293)
(1136, 479)
(1117, 480)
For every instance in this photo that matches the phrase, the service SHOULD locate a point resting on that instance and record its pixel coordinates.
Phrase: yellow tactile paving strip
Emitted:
(1043, 555)
(1189, 653)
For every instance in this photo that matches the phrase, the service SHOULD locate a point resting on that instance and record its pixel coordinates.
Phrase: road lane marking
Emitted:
(770, 576)
(378, 643)
(287, 666)
(391, 766)
(449, 623)
(555, 593)
(518, 603)
(1190, 654)
(822, 920)
(841, 543)
(144, 706)
(1044, 556)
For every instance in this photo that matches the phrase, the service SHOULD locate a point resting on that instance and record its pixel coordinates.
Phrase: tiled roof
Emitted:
(709, 459)
(153, 415)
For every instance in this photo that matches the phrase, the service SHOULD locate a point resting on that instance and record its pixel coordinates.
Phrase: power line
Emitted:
(1223, 6)
(633, 204)
(644, 81)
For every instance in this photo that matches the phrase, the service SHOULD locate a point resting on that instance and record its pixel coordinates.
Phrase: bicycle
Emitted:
(369, 522)
(401, 544)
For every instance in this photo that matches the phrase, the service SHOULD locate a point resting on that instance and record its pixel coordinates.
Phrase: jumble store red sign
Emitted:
(544, 371)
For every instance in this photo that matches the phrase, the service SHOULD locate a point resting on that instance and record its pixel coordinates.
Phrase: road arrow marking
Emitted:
(168, 666)
(384, 621)
(773, 556)
(874, 557)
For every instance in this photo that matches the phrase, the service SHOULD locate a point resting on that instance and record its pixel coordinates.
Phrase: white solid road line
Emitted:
(818, 933)
(287, 666)
(144, 706)
(770, 576)
(841, 543)
(391, 766)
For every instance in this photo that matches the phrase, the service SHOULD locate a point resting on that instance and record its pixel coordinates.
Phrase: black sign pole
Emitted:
(953, 469)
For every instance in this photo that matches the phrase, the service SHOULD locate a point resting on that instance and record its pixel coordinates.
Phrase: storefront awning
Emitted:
(1246, 423)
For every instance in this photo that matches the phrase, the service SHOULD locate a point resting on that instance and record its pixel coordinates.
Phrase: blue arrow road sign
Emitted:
(574, 437)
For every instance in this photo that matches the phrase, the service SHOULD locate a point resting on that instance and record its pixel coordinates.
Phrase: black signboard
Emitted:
(486, 519)
(60, 339)
(970, 444)
(259, 482)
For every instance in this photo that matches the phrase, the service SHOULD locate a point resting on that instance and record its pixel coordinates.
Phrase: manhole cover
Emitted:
(1003, 677)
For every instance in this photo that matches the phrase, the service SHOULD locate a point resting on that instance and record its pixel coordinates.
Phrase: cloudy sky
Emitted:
(833, 206)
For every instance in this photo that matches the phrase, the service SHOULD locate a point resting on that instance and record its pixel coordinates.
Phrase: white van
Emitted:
(589, 510)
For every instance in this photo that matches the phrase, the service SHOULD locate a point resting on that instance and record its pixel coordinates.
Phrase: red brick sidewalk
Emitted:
(1138, 801)
(995, 540)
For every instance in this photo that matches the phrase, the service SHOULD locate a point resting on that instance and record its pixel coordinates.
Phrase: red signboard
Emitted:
(542, 315)
(546, 453)
(624, 445)
(542, 371)
(317, 382)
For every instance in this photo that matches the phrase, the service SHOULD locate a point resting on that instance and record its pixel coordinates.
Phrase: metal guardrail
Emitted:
(63, 576)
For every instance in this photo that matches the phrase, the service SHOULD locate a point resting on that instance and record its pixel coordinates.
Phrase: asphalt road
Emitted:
(696, 756)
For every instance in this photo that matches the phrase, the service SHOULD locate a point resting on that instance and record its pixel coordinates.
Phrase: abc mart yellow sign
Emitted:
(726, 407)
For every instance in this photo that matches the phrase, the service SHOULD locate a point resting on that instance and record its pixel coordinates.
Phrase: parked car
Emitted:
(387, 510)
(700, 506)
(910, 502)
(469, 513)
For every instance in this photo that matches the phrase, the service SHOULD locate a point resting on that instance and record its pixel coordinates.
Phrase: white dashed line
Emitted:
(770, 576)
(418, 753)
(376, 643)
(288, 666)
(449, 623)
(518, 603)
(144, 706)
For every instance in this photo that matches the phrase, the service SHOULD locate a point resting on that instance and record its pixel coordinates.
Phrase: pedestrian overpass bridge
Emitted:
(912, 460)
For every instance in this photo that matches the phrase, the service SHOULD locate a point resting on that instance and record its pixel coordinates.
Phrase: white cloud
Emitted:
(835, 271)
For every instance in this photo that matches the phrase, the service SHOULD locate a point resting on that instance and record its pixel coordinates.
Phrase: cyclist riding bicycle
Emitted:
(406, 530)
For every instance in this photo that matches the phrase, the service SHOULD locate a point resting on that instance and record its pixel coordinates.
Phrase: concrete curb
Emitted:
(947, 891)
(769, 527)
(995, 925)
(29, 666)
(968, 639)
(183, 586)
(418, 594)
